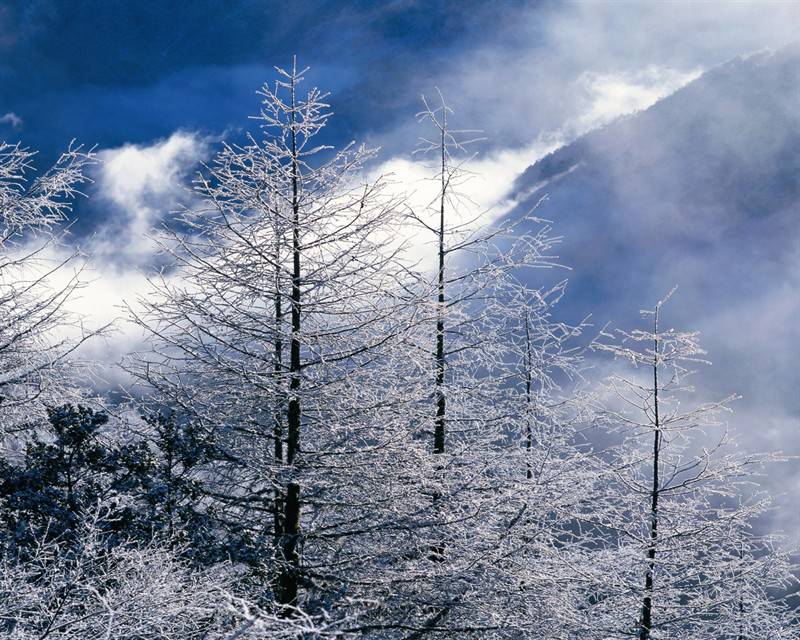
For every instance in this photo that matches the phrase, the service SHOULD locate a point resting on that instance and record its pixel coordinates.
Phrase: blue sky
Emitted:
(111, 72)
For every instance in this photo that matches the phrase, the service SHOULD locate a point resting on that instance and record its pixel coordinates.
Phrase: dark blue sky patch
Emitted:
(111, 72)
(162, 57)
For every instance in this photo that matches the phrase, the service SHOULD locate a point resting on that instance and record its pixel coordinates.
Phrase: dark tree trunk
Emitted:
(289, 578)
(741, 635)
(291, 520)
(439, 431)
(437, 550)
(277, 425)
(647, 604)
(528, 398)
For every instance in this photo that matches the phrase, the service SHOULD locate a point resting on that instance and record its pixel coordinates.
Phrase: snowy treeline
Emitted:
(329, 438)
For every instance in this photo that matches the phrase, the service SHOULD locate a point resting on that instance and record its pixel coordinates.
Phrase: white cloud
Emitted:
(536, 74)
(96, 302)
(610, 95)
(142, 184)
(484, 191)
(137, 186)
(11, 118)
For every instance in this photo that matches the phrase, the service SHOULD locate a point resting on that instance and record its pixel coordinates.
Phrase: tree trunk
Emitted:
(437, 550)
(289, 578)
(291, 520)
(528, 398)
(647, 604)
(277, 426)
(439, 431)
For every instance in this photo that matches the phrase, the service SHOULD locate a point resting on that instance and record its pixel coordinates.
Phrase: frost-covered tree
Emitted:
(38, 336)
(85, 589)
(65, 468)
(282, 297)
(552, 478)
(77, 459)
(484, 401)
(678, 559)
(753, 606)
(475, 259)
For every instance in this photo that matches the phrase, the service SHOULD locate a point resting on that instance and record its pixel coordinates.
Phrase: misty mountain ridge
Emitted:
(734, 129)
(701, 190)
